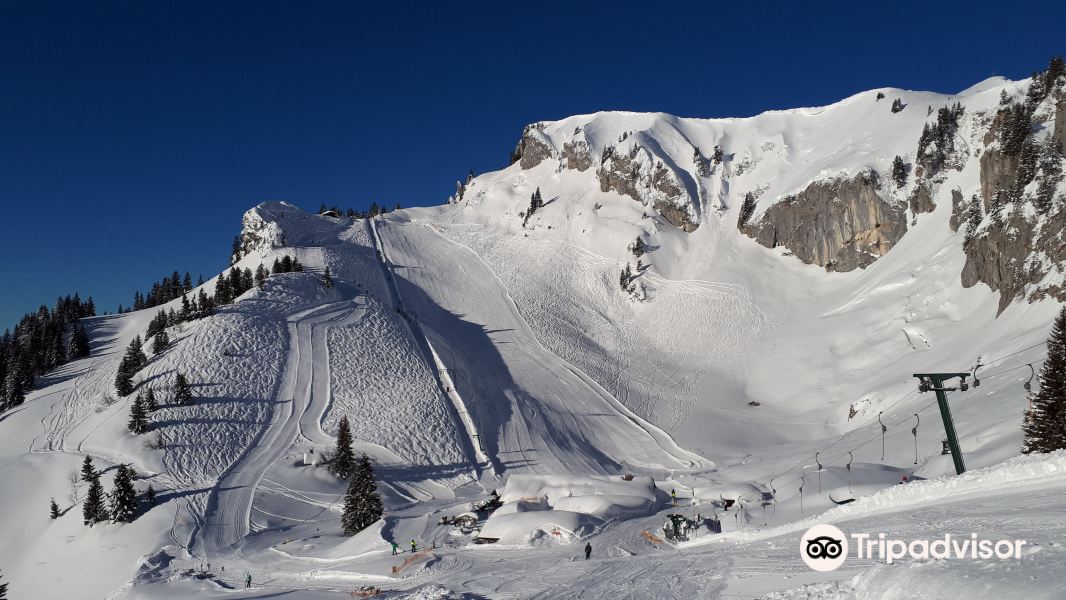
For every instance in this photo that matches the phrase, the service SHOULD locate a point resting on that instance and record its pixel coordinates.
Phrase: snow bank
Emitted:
(565, 507)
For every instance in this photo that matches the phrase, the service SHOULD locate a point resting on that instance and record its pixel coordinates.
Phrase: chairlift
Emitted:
(976, 381)
(803, 480)
(1028, 385)
(773, 491)
(819, 471)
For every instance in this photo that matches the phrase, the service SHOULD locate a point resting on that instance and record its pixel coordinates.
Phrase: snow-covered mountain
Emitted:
(793, 270)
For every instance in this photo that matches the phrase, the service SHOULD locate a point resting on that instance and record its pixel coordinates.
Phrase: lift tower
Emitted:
(934, 382)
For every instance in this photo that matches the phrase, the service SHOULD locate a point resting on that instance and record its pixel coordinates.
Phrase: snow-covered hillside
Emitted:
(790, 280)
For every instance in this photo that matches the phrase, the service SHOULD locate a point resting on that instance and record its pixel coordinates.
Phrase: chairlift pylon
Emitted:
(819, 471)
(884, 428)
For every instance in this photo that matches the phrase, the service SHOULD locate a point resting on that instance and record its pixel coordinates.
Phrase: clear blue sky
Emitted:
(133, 135)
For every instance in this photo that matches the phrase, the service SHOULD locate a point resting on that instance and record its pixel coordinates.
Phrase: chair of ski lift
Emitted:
(914, 431)
(851, 457)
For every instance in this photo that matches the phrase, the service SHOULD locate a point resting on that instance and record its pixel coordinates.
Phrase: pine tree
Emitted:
(899, 171)
(260, 275)
(362, 502)
(638, 248)
(3, 590)
(1045, 423)
(327, 278)
(79, 343)
(343, 458)
(182, 392)
(93, 510)
(54, 510)
(138, 423)
(236, 250)
(88, 472)
(223, 292)
(626, 277)
(898, 105)
(150, 403)
(974, 216)
(133, 361)
(123, 496)
(747, 209)
(161, 342)
(149, 495)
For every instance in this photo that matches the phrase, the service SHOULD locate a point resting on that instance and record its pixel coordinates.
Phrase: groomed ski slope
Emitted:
(533, 411)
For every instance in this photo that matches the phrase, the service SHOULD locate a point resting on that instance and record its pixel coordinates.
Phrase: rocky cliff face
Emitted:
(841, 224)
(645, 178)
(260, 230)
(1019, 248)
(635, 171)
(533, 147)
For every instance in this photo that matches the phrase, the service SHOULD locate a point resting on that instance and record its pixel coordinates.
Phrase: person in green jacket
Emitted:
(395, 548)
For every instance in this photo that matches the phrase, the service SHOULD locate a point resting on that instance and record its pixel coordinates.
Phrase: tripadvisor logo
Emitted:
(825, 547)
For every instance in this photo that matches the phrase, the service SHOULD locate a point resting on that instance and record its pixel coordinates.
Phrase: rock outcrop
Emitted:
(576, 155)
(645, 178)
(1000, 259)
(840, 224)
(533, 147)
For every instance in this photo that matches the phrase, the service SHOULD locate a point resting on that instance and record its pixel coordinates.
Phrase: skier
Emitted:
(588, 550)
(414, 547)
(248, 581)
(395, 548)
(673, 497)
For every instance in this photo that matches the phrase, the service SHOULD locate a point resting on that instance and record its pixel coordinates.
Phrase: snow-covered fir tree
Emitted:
(626, 277)
(343, 464)
(78, 346)
(134, 360)
(93, 510)
(1045, 424)
(160, 342)
(123, 496)
(638, 247)
(899, 171)
(88, 471)
(182, 392)
(747, 209)
(53, 509)
(138, 423)
(150, 403)
(362, 502)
